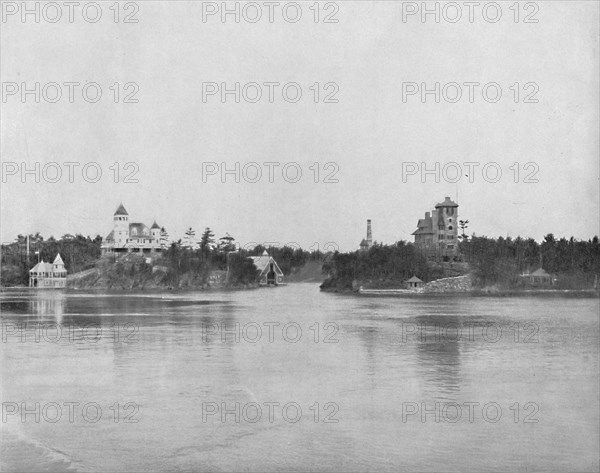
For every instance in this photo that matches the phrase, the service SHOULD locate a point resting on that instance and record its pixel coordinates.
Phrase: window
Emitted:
(450, 237)
(450, 227)
(450, 220)
(440, 237)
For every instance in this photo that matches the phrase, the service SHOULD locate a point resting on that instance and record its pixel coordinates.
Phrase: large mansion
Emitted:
(129, 236)
(437, 233)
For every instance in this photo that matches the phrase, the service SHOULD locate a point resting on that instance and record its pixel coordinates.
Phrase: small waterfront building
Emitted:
(414, 283)
(269, 272)
(538, 278)
(131, 237)
(49, 275)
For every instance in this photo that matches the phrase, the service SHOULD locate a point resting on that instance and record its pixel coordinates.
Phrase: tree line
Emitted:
(492, 261)
(200, 259)
(185, 256)
(576, 263)
(386, 265)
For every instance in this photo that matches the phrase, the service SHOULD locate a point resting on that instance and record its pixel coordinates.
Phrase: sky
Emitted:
(373, 140)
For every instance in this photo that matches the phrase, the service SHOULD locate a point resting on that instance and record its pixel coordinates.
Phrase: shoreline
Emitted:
(137, 290)
(405, 293)
(369, 293)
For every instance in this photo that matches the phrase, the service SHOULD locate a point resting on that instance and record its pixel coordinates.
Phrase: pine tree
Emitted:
(189, 241)
(226, 243)
(463, 224)
(164, 239)
(207, 242)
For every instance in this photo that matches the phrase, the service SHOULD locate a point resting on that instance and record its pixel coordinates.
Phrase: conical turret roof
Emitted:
(121, 210)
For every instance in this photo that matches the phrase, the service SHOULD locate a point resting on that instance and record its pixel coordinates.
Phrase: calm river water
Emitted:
(292, 379)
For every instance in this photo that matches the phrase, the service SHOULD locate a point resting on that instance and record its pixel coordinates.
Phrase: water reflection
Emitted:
(438, 347)
(48, 304)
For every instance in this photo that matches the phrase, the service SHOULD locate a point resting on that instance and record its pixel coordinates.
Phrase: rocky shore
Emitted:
(462, 285)
(133, 275)
(458, 284)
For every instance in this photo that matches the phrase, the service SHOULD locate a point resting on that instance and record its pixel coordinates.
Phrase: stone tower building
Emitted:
(437, 233)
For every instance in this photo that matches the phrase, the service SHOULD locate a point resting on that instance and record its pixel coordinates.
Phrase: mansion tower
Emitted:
(437, 233)
(130, 237)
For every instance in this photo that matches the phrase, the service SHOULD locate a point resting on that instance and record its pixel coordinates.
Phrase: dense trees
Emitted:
(287, 257)
(198, 264)
(501, 260)
(493, 261)
(388, 265)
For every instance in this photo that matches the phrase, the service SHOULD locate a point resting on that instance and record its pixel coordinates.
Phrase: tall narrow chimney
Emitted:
(369, 234)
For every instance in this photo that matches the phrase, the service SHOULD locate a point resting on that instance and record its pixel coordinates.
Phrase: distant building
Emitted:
(130, 237)
(538, 278)
(437, 233)
(48, 275)
(414, 282)
(367, 243)
(269, 271)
